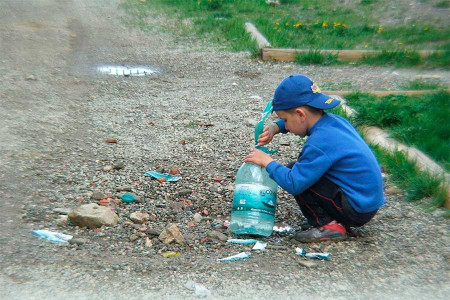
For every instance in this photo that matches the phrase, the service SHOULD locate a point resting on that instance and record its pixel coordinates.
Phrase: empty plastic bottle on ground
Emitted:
(254, 201)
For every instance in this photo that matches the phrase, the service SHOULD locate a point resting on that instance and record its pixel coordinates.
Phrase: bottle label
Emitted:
(256, 198)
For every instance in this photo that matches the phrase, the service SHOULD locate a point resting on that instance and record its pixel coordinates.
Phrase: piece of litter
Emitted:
(157, 175)
(125, 71)
(259, 246)
(283, 229)
(242, 241)
(241, 255)
(302, 252)
(200, 290)
(51, 236)
(171, 254)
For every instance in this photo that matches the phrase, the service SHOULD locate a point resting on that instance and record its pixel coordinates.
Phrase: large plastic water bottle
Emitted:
(254, 201)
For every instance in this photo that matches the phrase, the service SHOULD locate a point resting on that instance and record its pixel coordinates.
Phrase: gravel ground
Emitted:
(57, 112)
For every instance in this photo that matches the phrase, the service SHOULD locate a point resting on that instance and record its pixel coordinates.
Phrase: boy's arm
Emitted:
(281, 126)
(310, 167)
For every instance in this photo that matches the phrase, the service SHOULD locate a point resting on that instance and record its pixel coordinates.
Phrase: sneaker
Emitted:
(333, 231)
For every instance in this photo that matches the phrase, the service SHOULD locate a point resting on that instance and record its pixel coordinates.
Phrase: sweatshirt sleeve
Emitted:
(281, 125)
(310, 167)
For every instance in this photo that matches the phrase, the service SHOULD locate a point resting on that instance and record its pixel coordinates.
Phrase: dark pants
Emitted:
(324, 202)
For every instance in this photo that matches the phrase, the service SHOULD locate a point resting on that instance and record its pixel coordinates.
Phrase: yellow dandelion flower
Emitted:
(380, 29)
(366, 46)
(275, 28)
(277, 23)
(287, 24)
(325, 24)
(400, 43)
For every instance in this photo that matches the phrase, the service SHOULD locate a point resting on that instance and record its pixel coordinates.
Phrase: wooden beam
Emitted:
(382, 93)
(256, 35)
(344, 55)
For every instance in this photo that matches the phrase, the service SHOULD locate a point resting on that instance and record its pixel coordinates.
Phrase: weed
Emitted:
(315, 57)
(417, 184)
(399, 58)
(423, 85)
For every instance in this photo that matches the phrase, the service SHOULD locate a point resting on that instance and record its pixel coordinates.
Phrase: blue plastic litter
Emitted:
(54, 237)
(157, 175)
(127, 198)
(241, 255)
(302, 252)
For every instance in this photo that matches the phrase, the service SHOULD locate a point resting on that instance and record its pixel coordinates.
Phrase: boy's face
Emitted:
(295, 120)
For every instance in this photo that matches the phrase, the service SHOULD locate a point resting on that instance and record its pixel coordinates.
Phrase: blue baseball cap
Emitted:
(299, 90)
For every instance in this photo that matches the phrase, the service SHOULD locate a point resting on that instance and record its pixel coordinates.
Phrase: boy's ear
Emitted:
(301, 112)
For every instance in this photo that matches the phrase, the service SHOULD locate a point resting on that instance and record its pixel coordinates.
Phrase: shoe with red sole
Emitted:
(332, 231)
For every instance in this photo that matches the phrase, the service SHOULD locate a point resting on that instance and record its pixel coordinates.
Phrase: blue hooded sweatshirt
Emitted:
(334, 149)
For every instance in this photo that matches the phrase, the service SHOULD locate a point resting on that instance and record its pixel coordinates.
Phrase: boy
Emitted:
(336, 180)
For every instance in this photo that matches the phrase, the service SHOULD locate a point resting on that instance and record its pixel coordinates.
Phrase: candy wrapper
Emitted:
(241, 255)
(157, 175)
(302, 252)
(242, 241)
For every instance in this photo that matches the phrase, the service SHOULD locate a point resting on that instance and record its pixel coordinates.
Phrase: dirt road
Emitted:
(57, 110)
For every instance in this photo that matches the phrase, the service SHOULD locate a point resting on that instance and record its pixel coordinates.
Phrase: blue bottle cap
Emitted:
(127, 198)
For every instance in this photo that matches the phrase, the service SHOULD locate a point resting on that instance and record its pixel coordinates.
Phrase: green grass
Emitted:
(316, 58)
(301, 24)
(417, 185)
(420, 121)
(423, 85)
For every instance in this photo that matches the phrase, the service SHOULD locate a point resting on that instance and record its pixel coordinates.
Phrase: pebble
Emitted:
(307, 264)
(197, 218)
(77, 241)
(217, 235)
(96, 195)
(107, 168)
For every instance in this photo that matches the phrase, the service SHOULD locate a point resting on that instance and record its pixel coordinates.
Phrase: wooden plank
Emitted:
(256, 35)
(423, 162)
(383, 93)
(344, 55)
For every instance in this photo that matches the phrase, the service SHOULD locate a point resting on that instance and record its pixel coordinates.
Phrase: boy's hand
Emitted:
(258, 158)
(267, 135)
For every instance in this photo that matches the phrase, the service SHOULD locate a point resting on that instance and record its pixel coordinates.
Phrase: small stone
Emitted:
(62, 220)
(234, 84)
(251, 122)
(184, 192)
(187, 122)
(133, 237)
(148, 242)
(125, 188)
(118, 165)
(177, 206)
(161, 179)
(197, 218)
(61, 210)
(217, 235)
(174, 171)
(30, 77)
(307, 264)
(107, 168)
(139, 217)
(77, 241)
(393, 190)
(96, 195)
(171, 234)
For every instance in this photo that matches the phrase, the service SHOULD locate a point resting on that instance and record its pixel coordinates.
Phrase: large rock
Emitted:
(170, 234)
(93, 216)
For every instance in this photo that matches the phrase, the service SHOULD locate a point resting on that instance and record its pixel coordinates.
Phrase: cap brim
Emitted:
(323, 101)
